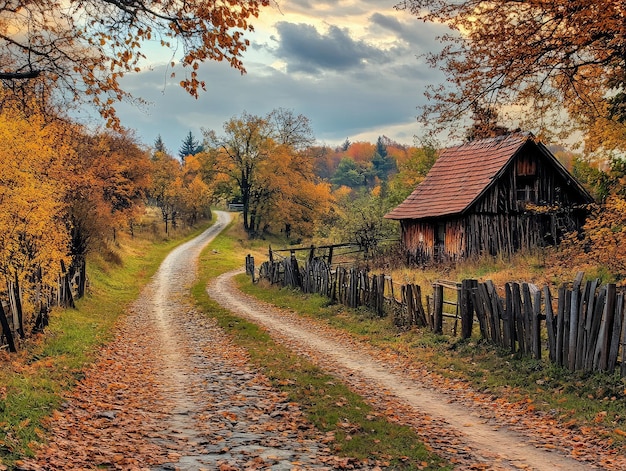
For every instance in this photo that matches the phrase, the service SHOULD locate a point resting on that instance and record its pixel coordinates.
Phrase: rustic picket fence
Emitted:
(71, 285)
(582, 328)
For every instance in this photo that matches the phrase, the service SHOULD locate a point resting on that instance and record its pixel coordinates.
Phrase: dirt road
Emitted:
(171, 392)
(472, 429)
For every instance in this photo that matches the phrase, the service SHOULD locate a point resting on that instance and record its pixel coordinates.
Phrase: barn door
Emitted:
(440, 241)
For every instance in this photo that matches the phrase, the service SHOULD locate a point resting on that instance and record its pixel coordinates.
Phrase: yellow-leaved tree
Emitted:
(34, 236)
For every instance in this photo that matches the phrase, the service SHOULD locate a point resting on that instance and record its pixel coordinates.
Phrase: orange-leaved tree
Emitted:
(166, 170)
(266, 159)
(288, 197)
(245, 144)
(109, 178)
(546, 64)
(86, 46)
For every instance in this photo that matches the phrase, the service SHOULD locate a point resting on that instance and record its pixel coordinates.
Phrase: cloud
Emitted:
(351, 67)
(307, 50)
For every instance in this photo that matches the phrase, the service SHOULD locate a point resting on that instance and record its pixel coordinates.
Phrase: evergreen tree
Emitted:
(382, 164)
(190, 146)
(159, 145)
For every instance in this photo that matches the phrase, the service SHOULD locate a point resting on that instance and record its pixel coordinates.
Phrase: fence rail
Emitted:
(582, 328)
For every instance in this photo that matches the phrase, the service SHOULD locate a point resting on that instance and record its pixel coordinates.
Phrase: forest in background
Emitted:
(67, 189)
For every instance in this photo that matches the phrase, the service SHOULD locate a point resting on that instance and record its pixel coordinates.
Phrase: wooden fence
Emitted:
(582, 328)
(71, 285)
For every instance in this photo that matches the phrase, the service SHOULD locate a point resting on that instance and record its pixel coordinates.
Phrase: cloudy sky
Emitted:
(354, 68)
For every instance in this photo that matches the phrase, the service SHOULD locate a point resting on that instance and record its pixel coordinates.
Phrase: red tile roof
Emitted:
(459, 177)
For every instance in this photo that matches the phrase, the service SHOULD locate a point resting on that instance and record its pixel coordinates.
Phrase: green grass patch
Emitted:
(34, 380)
(327, 402)
(595, 400)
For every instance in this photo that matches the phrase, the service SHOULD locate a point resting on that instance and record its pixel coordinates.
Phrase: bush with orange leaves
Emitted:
(599, 246)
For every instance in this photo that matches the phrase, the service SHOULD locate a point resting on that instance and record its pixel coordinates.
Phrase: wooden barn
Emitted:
(491, 196)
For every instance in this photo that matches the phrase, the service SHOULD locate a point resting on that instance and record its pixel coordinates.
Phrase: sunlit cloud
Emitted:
(355, 69)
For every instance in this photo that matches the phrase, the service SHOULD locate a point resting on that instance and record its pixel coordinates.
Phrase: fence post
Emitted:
(6, 329)
(573, 323)
(617, 330)
(467, 309)
(518, 315)
(537, 325)
(602, 347)
(250, 266)
(550, 323)
(507, 320)
(438, 308)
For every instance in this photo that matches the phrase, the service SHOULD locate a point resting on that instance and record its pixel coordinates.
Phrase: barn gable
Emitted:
(495, 195)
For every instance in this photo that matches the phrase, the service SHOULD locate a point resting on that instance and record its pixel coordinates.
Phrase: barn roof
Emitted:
(462, 174)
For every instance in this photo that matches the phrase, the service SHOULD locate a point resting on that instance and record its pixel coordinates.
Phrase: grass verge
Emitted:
(33, 381)
(328, 403)
(593, 403)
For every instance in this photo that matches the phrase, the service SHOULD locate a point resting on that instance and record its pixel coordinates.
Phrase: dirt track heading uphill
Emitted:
(472, 430)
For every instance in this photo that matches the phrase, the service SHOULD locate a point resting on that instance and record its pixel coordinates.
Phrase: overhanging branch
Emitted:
(20, 75)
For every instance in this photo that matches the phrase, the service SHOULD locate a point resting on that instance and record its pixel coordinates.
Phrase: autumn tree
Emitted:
(361, 220)
(271, 170)
(195, 194)
(110, 176)
(412, 170)
(485, 124)
(245, 144)
(162, 193)
(598, 247)
(85, 47)
(542, 58)
(34, 239)
(290, 129)
(288, 197)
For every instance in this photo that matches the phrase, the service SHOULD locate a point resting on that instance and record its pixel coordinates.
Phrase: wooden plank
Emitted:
(6, 330)
(573, 327)
(496, 311)
(617, 333)
(479, 308)
(437, 309)
(559, 325)
(606, 327)
(507, 318)
(467, 310)
(536, 326)
(407, 307)
(594, 329)
(518, 312)
(528, 311)
(582, 321)
(591, 302)
(550, 323)
(566, 320)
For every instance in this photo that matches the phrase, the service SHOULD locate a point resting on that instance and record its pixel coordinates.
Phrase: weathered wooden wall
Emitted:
(501, 221)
